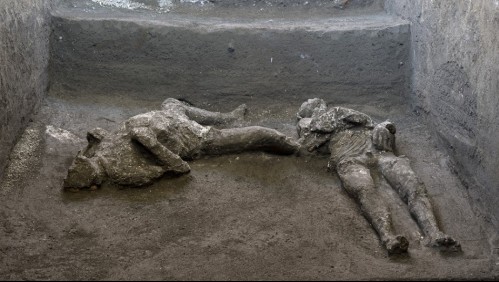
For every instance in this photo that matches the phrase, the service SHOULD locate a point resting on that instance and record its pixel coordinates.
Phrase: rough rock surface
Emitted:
(24, 33)
(208, 58)
(169, 5)
(456, 81)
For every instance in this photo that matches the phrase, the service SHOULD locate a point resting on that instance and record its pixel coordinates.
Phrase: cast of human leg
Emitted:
(358, 182)
(399, 174)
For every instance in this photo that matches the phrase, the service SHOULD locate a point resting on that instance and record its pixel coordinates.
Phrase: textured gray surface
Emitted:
(248, 216)
(212, 58)
(456, 82)
(236, 217)
(250, 6)
(24, 32)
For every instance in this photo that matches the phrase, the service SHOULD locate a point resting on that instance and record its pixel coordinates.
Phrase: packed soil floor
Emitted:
(251, 216)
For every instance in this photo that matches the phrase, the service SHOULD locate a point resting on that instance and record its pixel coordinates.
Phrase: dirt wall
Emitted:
(456, 81)
(24, 32)
(205, 60)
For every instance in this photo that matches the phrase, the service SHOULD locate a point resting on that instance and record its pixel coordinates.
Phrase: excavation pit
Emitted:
(250, 216)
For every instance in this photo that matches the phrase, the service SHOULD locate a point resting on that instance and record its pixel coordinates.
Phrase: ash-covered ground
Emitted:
(252, 216)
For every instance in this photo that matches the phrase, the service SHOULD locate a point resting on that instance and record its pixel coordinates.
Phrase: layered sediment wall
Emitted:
(215, 57)
(455, 80)
(24, 56)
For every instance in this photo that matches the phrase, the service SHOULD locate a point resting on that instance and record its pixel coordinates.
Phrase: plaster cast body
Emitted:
(357, 146)
(150, 145)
